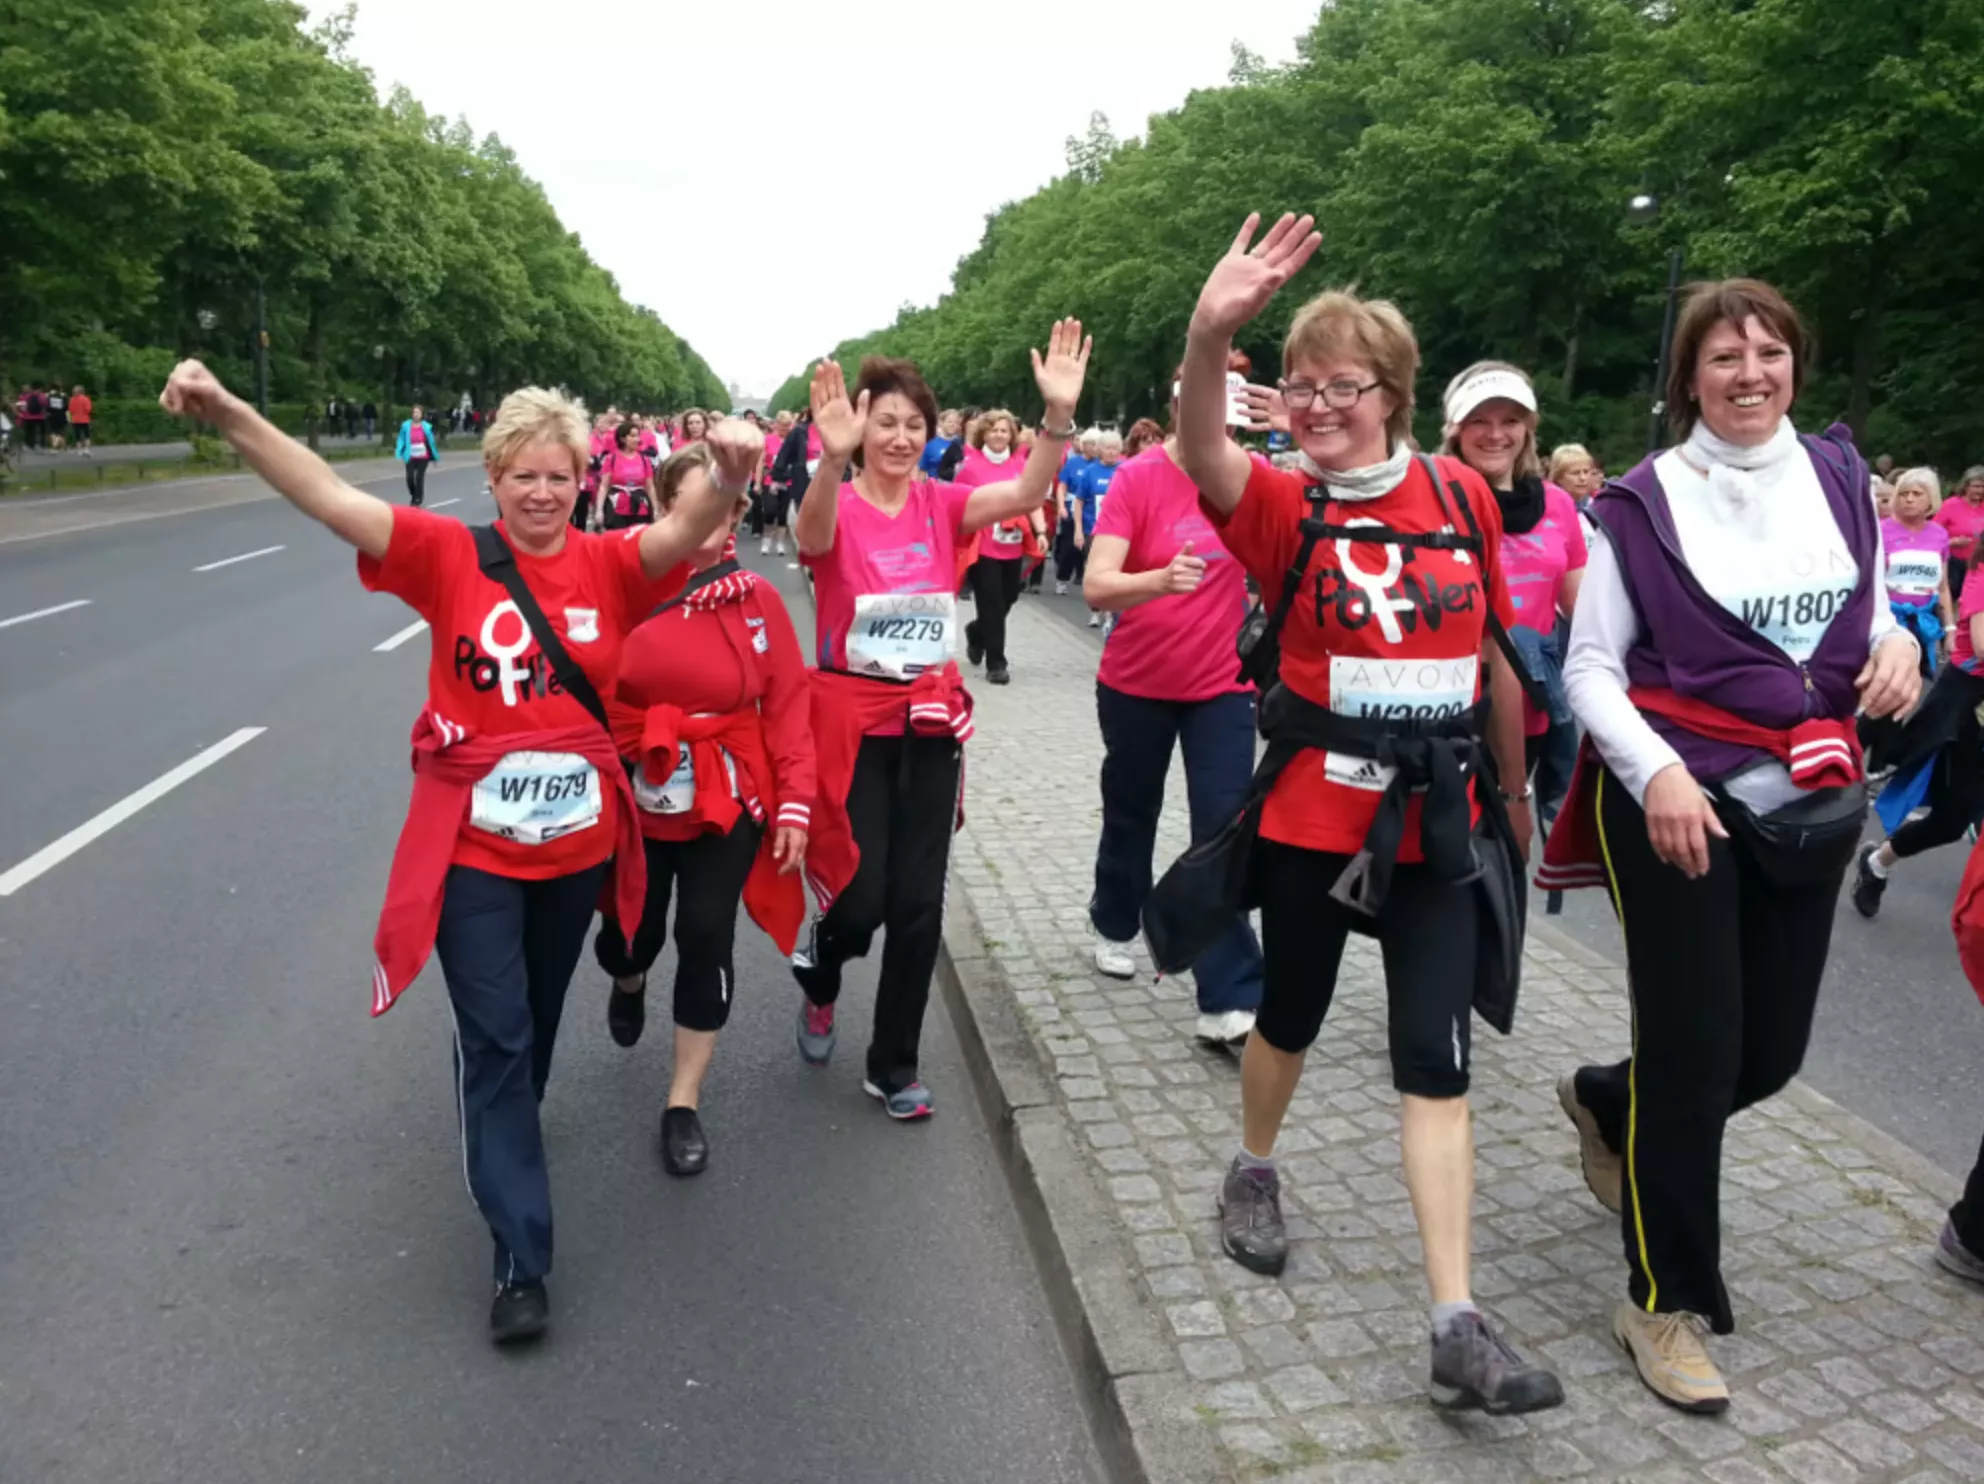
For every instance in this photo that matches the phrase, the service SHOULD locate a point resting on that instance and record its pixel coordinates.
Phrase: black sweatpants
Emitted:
(1427, 931)
(507, 950)
(1070, 561)
(706, 875)
(1967, 1215)
(995, 587)
(903, 809)
(1724, 976)
(1956, 793)
(416, 479)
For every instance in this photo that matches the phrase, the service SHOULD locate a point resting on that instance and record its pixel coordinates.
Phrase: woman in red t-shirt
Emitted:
(519, 798)
(714, 714)
(1376, 730)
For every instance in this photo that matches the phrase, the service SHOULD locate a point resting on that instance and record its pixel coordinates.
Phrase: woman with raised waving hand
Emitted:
(890, 714)
(520, 804)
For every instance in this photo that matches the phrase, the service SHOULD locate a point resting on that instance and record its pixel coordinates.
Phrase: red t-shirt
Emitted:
(81, 408)
(485, 671)
(1375, 630)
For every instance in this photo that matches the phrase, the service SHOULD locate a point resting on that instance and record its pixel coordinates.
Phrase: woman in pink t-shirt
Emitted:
(889, 715)
(992, 458)
(1169, 677)
(1962, 515)
(626, 481)
(1491, 427)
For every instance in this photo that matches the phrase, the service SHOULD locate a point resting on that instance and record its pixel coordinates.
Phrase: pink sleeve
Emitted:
(1576, 553)
(1119, 510)
(1972, 602)
(952, 498)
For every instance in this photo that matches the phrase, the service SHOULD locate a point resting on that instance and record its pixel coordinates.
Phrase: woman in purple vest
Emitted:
(1731, 622)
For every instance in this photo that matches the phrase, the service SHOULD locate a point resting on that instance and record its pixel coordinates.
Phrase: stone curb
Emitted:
(1132, 1387)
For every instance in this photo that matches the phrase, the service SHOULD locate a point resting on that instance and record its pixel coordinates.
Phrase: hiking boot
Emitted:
(1667, 1351)
(1250, 1225)
(1953, 1257)
(1476, 1370)
(1867, 887)
(1604, 1171)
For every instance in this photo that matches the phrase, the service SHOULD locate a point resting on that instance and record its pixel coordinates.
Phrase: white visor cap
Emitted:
(1488, 386)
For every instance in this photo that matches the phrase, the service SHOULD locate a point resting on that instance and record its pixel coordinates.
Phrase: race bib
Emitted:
(533, 797)
(1795, 619)
(1007, 536)
(673, 797)
(1394, 690)
(900, 635)
(812, 467)
(1914, 574)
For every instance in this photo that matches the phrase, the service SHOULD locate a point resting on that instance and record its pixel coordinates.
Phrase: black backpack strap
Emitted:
(701, 580)
(499, 564)
(1451, 495)
(1313, 530)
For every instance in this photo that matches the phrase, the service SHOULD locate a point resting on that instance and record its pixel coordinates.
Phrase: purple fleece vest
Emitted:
(1692, 645)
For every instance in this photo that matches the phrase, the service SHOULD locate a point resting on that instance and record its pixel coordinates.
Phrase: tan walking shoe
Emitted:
(1604, 1171)
(1667, 1351)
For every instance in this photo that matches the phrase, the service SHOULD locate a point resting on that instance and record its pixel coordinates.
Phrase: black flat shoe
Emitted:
(684, 1149)
(520, 1313)
(627, 1014)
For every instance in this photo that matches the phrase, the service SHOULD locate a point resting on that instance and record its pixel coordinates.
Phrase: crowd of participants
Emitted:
(1684, 674)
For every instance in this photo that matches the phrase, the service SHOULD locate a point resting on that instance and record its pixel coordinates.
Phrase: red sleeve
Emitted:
(637, 593)
(423, 553)
(1264, 529)
(787, 709)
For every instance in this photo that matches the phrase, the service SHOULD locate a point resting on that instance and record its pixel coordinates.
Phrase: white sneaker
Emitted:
(778, 547)
(765, 546)
(1230, 1029)
(1114, 959)
(1095, 620)
(1060, 589)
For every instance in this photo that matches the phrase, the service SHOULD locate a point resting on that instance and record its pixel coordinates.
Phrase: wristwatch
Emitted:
(1521, 798)
(1065, 435)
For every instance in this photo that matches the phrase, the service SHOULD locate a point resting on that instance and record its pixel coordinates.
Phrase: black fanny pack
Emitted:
(1807, 841)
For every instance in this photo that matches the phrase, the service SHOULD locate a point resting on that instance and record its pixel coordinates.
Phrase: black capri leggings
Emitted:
(710, 871)
(416, 479)
(1956, 793)
(1426, 930)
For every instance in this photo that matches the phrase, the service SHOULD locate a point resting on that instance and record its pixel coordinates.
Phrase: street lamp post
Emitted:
(1645, 207)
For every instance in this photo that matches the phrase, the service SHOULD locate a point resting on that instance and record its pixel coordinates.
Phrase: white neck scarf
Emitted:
(1368, 483)
(996, 458)
(1742, 476)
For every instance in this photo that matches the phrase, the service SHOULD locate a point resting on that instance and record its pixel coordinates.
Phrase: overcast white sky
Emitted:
(704, 155)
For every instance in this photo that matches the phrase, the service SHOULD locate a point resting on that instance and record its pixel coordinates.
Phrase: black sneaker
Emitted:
(999, 675)
(519, 1313)
(973, 650)
(684, 1149)
(1475, 1369)
(1250, 1226)
(627, 1014)
(1867, 887)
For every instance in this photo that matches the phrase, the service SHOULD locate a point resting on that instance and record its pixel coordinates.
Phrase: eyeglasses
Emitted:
(1341, 395)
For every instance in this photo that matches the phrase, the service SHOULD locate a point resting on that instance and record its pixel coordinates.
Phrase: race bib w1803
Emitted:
(900, 635)
(1394, 690)
(532, 797)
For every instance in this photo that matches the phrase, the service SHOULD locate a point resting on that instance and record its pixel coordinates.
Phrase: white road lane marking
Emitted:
(50, 856)
(444, 504)
(418, 626)
(246, 556)
(8, 623)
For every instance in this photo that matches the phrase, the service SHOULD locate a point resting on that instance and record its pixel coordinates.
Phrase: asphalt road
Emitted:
(1899, 1037)
(234, 1241)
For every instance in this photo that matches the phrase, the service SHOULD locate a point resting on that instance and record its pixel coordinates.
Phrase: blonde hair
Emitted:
(531, 415)
(1339, 325)
(1925, 479)
(1528, 465)
(984, 421)
(1566, 454)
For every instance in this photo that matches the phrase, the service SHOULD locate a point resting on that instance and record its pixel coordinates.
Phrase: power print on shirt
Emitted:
(505, 638)
(1399, 594)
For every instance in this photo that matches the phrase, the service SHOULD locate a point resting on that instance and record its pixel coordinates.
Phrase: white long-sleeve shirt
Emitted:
(1781, 564)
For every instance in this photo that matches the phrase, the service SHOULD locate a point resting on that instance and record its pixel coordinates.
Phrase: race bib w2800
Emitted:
(900, 635)
(1394, 690)
(533, 797)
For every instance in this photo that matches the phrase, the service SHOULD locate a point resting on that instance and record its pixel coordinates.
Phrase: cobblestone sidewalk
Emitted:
(1855, 1358)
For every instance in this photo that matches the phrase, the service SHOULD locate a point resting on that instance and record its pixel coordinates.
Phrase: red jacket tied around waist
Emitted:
(845, 707)
(1820, 753)
(447, 764)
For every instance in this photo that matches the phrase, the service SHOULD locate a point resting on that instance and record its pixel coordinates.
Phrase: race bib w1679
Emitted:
(900, 635)
(532, 797)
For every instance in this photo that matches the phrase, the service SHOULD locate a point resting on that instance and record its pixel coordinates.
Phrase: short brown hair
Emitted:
(989, 416)
(1707, 305)
(1338, 323)
(881, 375)
(1143, 433)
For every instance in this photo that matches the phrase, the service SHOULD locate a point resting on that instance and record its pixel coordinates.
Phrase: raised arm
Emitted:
(703, 504)
(1059, 376)
(841, 424)
(296, 473)
(1241, 284)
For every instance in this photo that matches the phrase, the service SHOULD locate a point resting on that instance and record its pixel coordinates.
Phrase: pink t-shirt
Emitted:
(1178, 647)
(1005, 542)
(1968, 607)
(1916, 561)
(772, 442)
(1964, 521)
(876, 556)
(1537, 561)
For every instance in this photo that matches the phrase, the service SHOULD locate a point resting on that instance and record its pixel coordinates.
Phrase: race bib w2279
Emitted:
(532, 797)
(898, 636)
(1394, 690)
